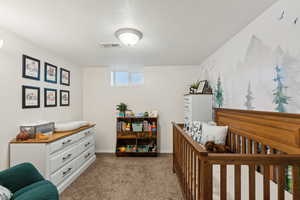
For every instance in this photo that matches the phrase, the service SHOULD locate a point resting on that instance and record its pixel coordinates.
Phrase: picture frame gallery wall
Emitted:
(31, 94)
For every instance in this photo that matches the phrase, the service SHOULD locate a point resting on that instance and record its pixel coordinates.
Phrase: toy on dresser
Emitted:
(40, 129)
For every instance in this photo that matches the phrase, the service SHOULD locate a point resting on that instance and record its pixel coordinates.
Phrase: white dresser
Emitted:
(198, 107)
(62, 160)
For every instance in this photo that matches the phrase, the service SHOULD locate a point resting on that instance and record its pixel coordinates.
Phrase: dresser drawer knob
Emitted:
(67, 171)
(87, 144)
(87, 155)
(67, 157)
(66, 142)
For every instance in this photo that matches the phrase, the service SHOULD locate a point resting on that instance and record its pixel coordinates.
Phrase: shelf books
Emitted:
(145, 126)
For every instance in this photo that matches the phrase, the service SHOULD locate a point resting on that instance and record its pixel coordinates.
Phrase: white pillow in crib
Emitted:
(213, 133)
(5, 194)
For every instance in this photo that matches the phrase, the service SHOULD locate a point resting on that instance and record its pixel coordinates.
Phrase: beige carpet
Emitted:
(126, 178)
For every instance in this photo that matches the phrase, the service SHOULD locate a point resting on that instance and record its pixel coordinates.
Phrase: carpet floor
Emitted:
(126, 178)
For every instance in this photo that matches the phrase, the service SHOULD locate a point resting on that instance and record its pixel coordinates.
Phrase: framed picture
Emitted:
(64, 98)
(31, 68)
(64, 77)
(30, 97)
(50, 97)
(50, 73)
(202, 85)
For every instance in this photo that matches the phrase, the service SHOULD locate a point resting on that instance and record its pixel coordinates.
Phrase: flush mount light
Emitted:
(129, 36)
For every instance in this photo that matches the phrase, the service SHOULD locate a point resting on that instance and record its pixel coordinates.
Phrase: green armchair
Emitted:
(26, 183)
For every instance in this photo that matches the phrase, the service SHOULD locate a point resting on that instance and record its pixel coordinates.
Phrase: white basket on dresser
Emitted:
(60, 159)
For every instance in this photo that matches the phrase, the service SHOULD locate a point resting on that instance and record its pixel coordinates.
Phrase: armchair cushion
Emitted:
(19, 177)
(42, 190)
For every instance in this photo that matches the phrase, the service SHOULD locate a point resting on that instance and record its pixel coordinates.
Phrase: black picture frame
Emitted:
(46, 91)
(202, 85)
(46, 67)
(26, 59)
(62, 81)
(61, 98)
(25, 98)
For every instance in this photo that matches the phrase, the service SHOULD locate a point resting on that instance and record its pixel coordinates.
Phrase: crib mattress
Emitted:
(244, 184)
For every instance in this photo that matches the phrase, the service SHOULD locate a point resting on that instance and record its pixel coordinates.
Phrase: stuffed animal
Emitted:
(216, 148)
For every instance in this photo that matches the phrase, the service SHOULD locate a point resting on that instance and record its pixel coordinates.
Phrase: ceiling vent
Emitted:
(110, 45)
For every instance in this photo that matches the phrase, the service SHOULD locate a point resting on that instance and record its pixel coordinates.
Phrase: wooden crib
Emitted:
(264, 141)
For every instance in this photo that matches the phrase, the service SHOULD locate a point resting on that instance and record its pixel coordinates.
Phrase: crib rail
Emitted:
(194, 167)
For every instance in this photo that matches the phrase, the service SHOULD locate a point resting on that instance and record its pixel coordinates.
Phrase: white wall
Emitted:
(163, 91)
(11, 81)
(252, 55)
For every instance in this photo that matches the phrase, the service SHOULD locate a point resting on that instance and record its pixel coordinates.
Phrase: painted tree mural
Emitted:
(249, 98)
(280, 99)
(219, 94)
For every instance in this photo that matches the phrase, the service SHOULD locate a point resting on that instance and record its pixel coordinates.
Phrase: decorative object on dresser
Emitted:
(31, 68)
(50, 73)
(197, 107)
(64, 98)
(44, 127)
(30, 97)
(50, 97)
(194, 87)
(64, 77)
(137, 136)
(200, 87)
(61, 158)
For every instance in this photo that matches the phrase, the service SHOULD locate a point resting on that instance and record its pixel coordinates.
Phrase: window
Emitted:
(123, 78)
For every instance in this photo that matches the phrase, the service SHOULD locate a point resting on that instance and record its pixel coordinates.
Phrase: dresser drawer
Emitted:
(86, 143)
(60, 160)
(85, 156)
(62, 143)
(64, 172)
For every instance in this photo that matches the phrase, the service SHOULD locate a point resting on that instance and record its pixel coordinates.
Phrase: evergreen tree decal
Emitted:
(249, 98)
(219, 94)
(280, 98)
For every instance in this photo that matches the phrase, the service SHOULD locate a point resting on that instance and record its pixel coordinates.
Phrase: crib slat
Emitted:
(228, 139)
(296, 183)
(223, 182)
(244, 145)
(195, 175)
(207, 187)
(238, 149)
(263, 149)
(185, 169)
(249, 146)
(237, 182)
(266, 182)
(234, 142)
(255, 147)
(199, 186)
(280, 184)
(251, 182)
(189, 172)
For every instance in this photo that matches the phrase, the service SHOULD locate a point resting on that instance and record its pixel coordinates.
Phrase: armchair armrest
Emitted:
(19, 176)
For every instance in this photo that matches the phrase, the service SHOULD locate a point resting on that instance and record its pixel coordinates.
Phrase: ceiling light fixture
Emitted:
(129, 36)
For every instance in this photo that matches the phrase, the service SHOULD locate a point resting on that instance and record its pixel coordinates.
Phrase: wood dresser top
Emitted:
(55, 136)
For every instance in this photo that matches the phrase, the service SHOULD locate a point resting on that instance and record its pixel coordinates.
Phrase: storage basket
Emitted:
(137, 127)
